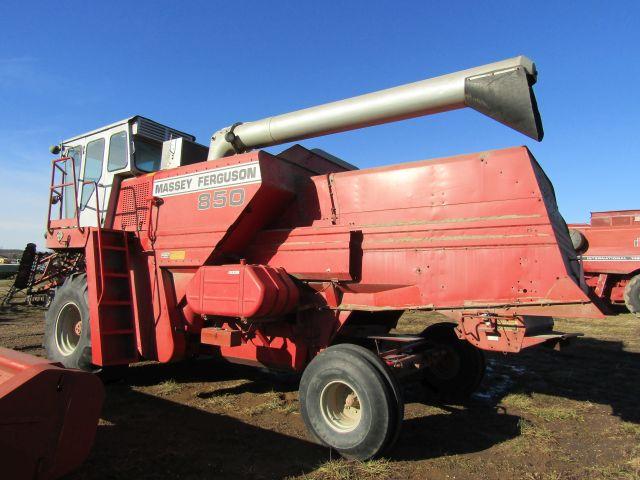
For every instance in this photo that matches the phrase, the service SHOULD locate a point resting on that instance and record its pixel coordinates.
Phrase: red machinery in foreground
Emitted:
(297, 260)
(609, 248)
(48, 416)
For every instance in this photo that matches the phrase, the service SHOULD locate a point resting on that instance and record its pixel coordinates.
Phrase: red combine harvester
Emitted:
(609, 248)
(299, 261)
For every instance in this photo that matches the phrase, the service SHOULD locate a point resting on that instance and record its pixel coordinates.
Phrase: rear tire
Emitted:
(632, 295)
(347, 404)
(67, 332)
(458, 373)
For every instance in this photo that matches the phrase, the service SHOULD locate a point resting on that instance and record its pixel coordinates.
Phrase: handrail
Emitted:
(99, 234)
(63, 185)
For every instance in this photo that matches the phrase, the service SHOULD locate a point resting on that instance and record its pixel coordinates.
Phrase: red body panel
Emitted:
(474, 233)
(613, 253)
(48, 416)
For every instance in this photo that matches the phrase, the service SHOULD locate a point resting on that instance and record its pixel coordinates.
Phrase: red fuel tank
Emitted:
(244, 291)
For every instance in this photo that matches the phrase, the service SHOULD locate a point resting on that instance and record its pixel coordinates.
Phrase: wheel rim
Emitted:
(340, 406)
(68, 329)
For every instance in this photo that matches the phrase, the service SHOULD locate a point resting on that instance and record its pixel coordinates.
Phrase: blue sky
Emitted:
(68, 67)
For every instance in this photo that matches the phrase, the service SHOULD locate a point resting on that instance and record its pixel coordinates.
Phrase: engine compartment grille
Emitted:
(133, 208)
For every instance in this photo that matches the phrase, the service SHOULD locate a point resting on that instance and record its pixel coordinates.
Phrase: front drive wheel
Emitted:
(347, 404)
(67, 336)
(632, 295)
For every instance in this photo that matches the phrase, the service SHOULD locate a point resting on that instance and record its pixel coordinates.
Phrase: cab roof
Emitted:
(146, 128)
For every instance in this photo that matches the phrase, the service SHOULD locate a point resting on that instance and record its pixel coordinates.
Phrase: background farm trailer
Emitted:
(299, 261)
(609, 248)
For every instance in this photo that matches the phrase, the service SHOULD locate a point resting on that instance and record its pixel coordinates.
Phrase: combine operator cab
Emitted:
(87, 176)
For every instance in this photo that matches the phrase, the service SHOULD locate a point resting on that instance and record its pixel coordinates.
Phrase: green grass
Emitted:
(347, 470)
(530, 430)
(223, 402)
(630, 428)
(274, 401)
(168, 387)
(548, 412)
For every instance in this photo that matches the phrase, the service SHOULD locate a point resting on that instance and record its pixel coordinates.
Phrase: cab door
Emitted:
(117, 166)
(90, 186)
(106, 158)
(72, 169)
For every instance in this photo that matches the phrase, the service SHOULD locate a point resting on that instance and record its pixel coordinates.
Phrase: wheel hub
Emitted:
(340, 406)
(68, 328)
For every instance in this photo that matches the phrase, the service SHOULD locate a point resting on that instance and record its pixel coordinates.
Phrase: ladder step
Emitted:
(114, 303)
(116, 275)
(121, 361)
(113, 247)
(127, 331)
(68, 184)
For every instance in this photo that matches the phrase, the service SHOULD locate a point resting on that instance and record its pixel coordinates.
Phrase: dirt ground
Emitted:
(538, 415)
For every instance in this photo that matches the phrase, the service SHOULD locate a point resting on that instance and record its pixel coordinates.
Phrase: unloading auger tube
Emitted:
(500, 90)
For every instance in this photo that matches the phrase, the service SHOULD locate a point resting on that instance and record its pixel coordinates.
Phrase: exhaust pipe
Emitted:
(500, 90)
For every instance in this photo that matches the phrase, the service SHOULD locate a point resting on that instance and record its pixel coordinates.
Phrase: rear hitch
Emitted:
(510, 334)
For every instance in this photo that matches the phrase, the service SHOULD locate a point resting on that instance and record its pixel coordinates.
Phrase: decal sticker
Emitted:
(610, 258)
(174, 255)
(243, 174)
(221, 198)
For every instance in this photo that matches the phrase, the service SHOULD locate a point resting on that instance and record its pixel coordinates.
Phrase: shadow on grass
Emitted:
(259, 380)
(591, 370)
(144, 436)
(150, 437)
(461, 430)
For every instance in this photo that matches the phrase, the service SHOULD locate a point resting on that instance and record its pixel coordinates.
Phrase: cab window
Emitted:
(147, 155)
(117, 152)
(69, 199)
(76, 154)
(92, 169)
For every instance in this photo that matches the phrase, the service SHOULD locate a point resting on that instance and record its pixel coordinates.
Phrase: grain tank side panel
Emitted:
(473, 231)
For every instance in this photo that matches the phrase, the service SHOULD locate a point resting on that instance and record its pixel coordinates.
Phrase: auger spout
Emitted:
(500, 90)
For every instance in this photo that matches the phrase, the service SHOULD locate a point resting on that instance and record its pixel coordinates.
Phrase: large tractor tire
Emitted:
(347, 404)
(67, 334)
(455, 374)
(632, 295)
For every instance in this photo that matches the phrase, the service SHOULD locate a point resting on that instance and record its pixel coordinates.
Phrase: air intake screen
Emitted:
(133, 207)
